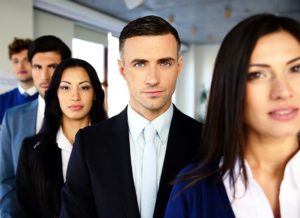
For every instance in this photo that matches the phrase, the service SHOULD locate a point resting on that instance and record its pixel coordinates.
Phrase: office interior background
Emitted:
(91, 29)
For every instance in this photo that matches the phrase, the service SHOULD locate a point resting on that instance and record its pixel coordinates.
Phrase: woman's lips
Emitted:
(76, 107)
(285, 114)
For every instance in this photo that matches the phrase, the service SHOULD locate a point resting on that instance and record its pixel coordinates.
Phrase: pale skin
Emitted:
(76, 96)
(21, 69)
(273, 124)
(150, 65)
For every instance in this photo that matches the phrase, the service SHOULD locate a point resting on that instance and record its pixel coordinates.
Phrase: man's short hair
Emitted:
(147, 26)
(49, 43)
(18, 45)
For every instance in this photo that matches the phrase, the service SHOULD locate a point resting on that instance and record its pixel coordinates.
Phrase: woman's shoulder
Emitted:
(31, 142)
(189, 184)
(198, 197)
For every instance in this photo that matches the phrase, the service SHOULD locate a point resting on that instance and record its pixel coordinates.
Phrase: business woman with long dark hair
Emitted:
(74, 100)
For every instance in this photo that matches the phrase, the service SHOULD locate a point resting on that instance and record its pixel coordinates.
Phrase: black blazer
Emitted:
(39, 165)
(99, 178)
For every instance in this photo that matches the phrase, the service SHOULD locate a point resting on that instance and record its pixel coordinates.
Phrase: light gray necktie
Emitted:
(149, 189)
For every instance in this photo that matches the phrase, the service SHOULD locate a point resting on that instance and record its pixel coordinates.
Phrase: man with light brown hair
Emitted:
(21, 68)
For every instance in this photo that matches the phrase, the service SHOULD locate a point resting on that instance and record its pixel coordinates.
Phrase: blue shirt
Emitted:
(13, 98)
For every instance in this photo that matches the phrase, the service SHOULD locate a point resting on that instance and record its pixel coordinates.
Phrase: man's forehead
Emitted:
(49, 56)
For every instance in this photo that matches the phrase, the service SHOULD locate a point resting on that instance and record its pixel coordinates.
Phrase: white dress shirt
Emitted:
(66, 149)
(254, 203)
(40, 113)
(136, 125)
(31, 91)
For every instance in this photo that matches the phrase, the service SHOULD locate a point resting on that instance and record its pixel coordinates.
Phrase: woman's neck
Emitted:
(267, 159)
(271, 154)
(71, 127)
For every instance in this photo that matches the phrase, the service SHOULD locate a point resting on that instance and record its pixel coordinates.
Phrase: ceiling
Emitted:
(197, 21)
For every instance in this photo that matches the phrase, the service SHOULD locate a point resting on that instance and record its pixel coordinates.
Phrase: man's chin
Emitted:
(25, 80)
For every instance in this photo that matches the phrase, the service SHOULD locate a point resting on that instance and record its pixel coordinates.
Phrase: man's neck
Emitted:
(26, 84)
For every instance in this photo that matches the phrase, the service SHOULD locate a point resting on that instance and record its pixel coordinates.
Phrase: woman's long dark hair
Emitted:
(223, 136)
(52, 121)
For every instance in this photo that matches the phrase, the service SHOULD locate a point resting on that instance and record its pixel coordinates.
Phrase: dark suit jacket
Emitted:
(99, 178)
(39, 165)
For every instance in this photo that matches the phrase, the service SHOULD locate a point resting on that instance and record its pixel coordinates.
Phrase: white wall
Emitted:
(185, 89)
(16, 20)
(49, 24)
(196, 76)
(205, 55)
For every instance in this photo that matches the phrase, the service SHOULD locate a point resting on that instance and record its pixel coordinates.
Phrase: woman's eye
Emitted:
(64, 87)
(255, 75)
(295, 69)
(85, 87)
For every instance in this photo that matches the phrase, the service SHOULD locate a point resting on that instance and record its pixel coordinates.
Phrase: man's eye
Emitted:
(52, 67)
(139, 65)
(35, 67)
(166, 63)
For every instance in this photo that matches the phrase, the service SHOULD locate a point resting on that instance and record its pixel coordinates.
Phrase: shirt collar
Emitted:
(41, 104)
(31, 91)
(162, 123)
(292, 167)
(62, 141)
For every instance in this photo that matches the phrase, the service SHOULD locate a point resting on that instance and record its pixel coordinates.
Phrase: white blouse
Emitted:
(66, 149)
(252, 202)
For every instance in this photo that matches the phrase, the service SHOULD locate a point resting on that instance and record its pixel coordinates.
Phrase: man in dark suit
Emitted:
(106, 171)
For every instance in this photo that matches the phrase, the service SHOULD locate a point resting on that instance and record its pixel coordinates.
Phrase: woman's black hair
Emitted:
(223, 136)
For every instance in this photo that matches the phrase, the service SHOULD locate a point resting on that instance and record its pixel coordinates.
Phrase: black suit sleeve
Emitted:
(77, 196)
(25, 189)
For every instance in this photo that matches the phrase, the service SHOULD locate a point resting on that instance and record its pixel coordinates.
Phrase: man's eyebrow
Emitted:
(166, 59)
(52, 65)
(139, 61)
(36, 65)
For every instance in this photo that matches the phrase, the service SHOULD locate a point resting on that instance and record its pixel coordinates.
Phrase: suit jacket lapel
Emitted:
(30, 117)
(123, 159)
(172, 156)
(24, 126)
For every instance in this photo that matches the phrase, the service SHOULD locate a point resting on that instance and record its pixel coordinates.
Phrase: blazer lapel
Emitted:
(172, 162)
(121, 143)
(30, 116)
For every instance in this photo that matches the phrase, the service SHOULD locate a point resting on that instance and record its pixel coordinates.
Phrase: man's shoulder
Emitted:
(26, 105)
(107, 125)
(185, 119)
(8, 93)
(19, 109)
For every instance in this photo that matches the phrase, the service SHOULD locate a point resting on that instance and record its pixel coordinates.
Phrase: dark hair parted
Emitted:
(49, 43)
(147, 26)
(53, 113)
(53, 117)
(223, 136)
(17, 46)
